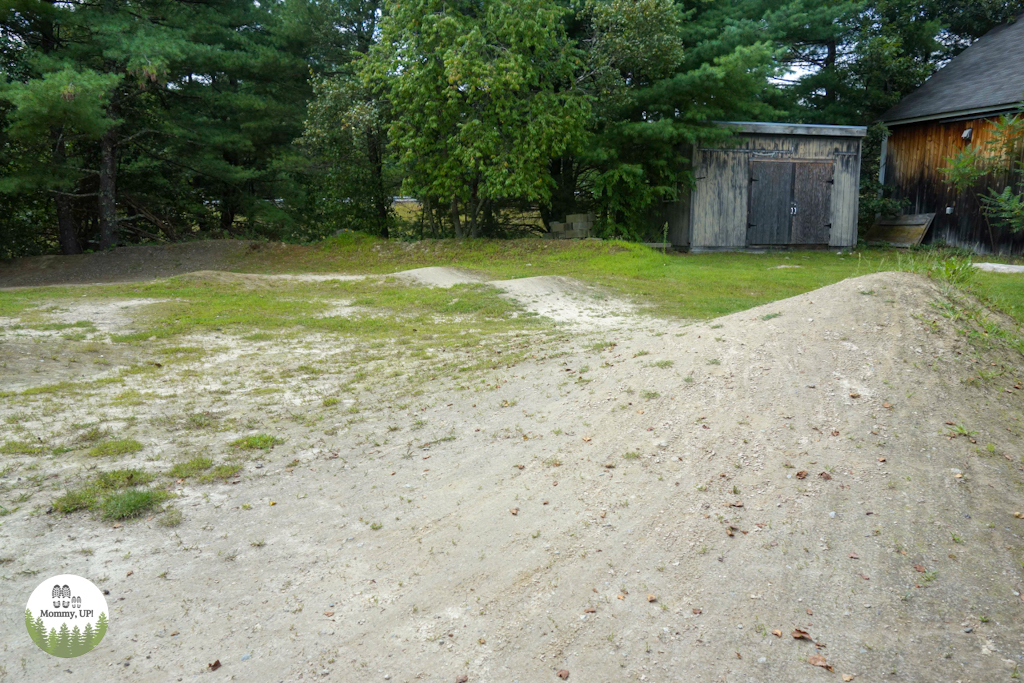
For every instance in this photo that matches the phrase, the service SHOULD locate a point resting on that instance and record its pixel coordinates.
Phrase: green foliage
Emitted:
(132, 503)
(73, 501)
(116, 447)
(262, 442)
(481, 96)
(193, 467)
(999, 162)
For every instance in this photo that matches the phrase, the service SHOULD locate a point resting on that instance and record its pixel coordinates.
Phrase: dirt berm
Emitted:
(674, 506)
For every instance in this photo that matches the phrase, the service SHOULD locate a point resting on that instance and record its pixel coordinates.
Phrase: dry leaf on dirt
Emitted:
(519, 466)
(854, 556)
(865, 577)
(737, 504)
(589, 610)
(887, 406)
(825, 475)
(328, 614)
(587, 438)
(835, 432)
(514, 511)
(130, 572)
(462, 678)
(620, 596)
(698, 610)
(799, 634)
(810, 612)
(919, 568)
(854, 394)
(563, 674)
(950, 423)
(818, 660)
(801, 474)
(482, 641)
(214, 666)
(651, 598)
(847, 678)
(777, 633)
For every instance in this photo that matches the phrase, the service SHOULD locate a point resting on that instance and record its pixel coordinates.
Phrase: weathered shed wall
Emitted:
(720, 199)
(915, 153)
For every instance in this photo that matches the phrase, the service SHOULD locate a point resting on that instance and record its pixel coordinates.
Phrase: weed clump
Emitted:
(116, 447)
(184, 470)
(258, 442)
(132, 503)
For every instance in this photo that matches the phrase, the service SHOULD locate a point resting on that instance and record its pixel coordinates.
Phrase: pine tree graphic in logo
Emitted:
(77, 621)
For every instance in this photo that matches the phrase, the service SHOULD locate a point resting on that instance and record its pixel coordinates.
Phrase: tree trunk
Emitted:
(830, 65)
(67, 230)
(382, 201)
(456, 222)
(108, 190)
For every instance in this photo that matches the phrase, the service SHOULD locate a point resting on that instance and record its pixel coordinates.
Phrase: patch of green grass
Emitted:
(116, 447)
(221, 472)
(631, 455)
(122, 479)
(328, 402)
(75, 500)
(262, 442)
(649, 395)
(184, 470)
(771, 316)
(21, 448)
(132, 503)
(662, 364)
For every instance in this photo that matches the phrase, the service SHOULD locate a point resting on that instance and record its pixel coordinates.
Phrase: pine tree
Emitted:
(88, 637)
(63, 648)
(35, 629)
(52, 642)
(77, 645)
(101, 629)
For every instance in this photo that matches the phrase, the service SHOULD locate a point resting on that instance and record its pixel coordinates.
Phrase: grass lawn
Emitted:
(676, 285)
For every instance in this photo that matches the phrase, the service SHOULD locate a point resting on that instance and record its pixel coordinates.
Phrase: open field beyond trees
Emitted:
(368, 460)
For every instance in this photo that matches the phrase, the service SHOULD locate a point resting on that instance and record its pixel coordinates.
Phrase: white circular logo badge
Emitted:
(66, 616)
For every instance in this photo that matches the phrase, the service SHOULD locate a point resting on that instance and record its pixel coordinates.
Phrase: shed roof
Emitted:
(794, 129)
(986, 77)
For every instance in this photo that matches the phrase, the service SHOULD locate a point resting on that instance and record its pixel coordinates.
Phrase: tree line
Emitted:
(164, 120)
(66, 642)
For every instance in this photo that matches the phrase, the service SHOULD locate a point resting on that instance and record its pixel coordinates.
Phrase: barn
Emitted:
(957, 106)
(771, 186)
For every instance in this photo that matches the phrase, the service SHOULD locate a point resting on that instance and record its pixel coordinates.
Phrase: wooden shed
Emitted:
(956, 107)
(773, 185)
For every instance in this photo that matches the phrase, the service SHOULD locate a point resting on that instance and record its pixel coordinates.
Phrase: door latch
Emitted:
(792, 209)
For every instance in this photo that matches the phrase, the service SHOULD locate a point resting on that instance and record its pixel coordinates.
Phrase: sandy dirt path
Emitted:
(649, 503)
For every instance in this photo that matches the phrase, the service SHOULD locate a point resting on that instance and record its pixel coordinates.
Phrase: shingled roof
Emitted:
(986, 77)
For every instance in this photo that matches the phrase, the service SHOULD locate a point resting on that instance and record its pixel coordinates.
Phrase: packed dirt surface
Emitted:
(820, 489)
(127, 264)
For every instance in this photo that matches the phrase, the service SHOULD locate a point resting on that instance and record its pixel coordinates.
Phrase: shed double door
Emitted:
(790, 202)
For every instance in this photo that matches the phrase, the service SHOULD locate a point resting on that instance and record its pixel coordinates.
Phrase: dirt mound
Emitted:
(826, 482)
(438, 276)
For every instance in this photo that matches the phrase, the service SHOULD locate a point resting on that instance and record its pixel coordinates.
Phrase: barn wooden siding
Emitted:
(720, 200)
(914, 154)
